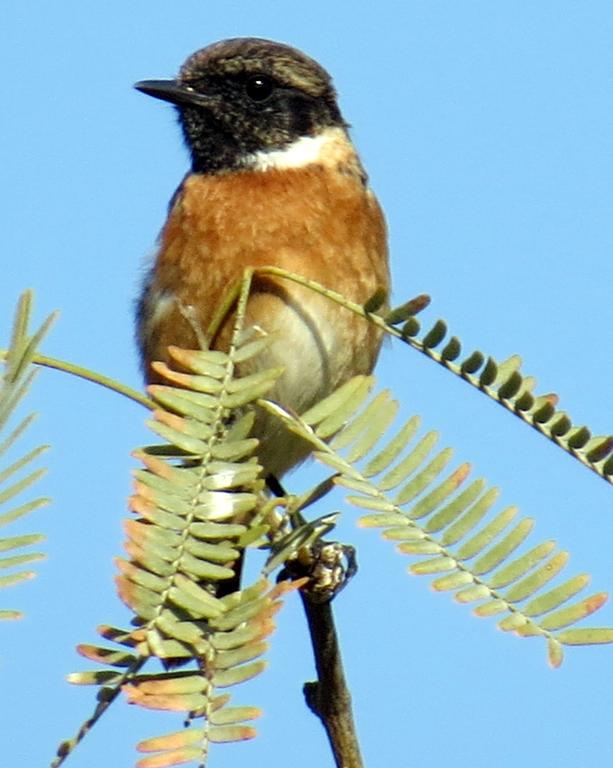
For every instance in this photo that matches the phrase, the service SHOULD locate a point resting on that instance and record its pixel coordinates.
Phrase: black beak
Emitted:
(175, 92)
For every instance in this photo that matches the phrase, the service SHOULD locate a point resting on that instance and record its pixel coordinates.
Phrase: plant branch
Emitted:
(329, 696)
(88, 375)
(329, 566)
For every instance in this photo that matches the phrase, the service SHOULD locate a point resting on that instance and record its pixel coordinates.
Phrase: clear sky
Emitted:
(487, 130)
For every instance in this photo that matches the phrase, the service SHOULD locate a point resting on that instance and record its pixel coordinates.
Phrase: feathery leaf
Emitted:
(451, 528)
(18, 476)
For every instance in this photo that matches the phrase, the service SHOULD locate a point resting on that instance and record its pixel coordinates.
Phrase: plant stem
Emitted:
(329, 696)
(88, 375)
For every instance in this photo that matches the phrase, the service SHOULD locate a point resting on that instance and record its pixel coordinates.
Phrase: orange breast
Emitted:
(320, 222)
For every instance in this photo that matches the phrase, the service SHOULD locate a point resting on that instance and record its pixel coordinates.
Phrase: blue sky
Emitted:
(487, 130)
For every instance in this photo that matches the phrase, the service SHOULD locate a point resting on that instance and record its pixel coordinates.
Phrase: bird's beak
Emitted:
(174, 92)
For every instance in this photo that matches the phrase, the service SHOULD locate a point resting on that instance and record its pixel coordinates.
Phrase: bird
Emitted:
(275, 180)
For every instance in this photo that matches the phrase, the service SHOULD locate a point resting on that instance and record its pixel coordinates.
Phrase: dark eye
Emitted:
(259, 87)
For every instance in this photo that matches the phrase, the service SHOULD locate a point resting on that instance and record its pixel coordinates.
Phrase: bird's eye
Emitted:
(259, 87)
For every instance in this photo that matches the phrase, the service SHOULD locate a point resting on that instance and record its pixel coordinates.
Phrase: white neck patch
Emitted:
(325, 148)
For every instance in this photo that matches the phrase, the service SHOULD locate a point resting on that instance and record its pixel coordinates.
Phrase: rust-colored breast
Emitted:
(318, 221)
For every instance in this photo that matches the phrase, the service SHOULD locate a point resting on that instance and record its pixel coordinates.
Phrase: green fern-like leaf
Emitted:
(501, 381)
(227, 650)
(17, 476)
(195, 499)
(504, 383)
(445, 521)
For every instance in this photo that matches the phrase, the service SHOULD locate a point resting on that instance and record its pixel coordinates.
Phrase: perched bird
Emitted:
(274, 181)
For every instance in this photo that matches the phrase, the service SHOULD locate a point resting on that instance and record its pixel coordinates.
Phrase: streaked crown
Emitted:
(242, 97)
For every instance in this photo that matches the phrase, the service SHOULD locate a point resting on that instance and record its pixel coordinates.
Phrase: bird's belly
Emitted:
(319, 345)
